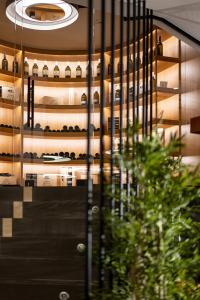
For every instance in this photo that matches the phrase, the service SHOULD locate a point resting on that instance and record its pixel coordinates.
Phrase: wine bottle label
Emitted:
(68, 73)
(96, 101)
(57, 73)
(35, 71)
(78, 73)
(83, 102)
(45, 72)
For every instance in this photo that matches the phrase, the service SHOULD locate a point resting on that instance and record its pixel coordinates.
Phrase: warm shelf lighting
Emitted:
(54, 159)
(41, 14)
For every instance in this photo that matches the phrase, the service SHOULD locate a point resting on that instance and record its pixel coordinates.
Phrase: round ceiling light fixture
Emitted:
(41, 14)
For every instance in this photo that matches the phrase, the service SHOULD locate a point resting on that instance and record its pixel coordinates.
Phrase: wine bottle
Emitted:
(56, 71)
(117, 94)
(35, 69)
(83, 99)
(15, 68)
(96, 98)
(159, 48)
(4, 63)
(68, 71)
(26, 67)
(99, 68)
(78, 71)
(45, 70)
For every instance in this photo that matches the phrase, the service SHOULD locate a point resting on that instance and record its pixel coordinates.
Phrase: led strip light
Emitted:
(16, 13)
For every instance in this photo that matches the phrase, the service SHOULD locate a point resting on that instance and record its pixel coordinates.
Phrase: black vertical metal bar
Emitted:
(138, 62)
(121, 206)
(147, 73)
(28, 102)
(89, 201)
(151, 72)
(128, 98)
(102, 150)
(134, 62)
(112, 123)
(112, 108)
(134, 116)
(32, 104)
(144, 66)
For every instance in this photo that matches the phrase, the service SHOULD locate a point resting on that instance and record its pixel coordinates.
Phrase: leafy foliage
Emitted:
(154, 250)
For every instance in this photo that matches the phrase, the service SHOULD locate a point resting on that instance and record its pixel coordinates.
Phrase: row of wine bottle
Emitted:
(117, 93)
(15, 65)
(72, 155)
(68, 73)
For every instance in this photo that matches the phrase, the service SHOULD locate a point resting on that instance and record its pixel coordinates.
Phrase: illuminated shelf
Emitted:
(9, 131)
(72, 82)
(165, 123)
(9, 159)
(6, 103)
(163, 63)
(9, 76)
(57, 135)
(160, 95)
(63, 108)
(76, 162)
(165, 93)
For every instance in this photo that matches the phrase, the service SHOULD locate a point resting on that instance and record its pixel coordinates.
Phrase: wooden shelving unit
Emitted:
(75, 109)
(57, 135)
(76, 162)
(9, 131)
(7, 103)
(68, 94)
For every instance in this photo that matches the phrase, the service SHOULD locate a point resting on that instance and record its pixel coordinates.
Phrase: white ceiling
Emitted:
(183, 13)
(161, 4)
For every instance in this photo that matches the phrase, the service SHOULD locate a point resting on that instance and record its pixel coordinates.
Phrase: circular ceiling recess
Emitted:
(41, 14)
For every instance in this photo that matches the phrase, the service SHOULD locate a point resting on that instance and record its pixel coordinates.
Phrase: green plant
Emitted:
(154, 250)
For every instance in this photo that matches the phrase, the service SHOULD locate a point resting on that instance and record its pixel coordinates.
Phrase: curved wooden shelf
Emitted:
(160, 94)
(72, 82)
(58, 135)
(9, 76)
(165, 123)
(7, 159)
(163, 63)
(159, 123)
(9, 131)
(7, 103)
(45, 108)
(76, 162)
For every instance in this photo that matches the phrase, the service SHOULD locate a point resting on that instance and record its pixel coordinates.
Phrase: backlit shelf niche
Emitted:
(58, 103)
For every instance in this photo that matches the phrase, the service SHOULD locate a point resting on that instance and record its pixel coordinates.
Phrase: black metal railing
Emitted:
(135, 107)
(30, 103)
